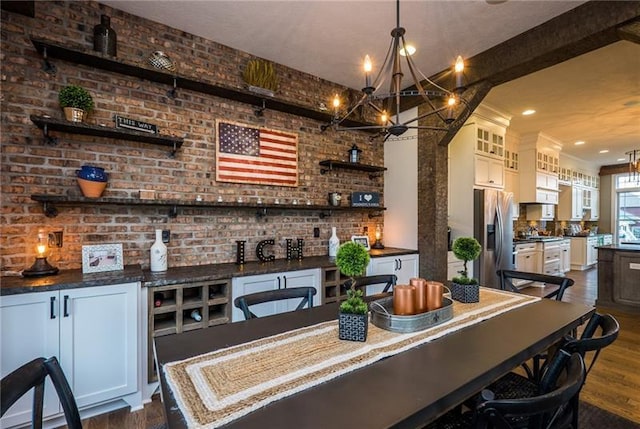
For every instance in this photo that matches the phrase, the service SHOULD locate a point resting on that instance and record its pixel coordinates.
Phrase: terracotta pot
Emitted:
(91, 189)
(73, 114)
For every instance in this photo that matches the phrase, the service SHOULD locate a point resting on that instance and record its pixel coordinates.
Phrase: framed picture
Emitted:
(102, 257)
(361, 239)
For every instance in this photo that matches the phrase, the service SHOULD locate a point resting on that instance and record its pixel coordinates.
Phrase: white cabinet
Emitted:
(594, 213)
(539, 167)
(551, 259)
(565, 255)
(94, 333)
(528, 259)
(490, 141)
(584, 254)
(489, 172)
(547, 181)
(570, 205)
(403, 266)
(540, 211)
(251, 284)
(512, 184)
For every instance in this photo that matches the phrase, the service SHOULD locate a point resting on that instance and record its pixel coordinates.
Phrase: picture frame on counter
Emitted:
(361, 239)
(100, 258)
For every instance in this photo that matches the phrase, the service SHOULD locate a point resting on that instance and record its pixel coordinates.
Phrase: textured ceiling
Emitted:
(329, 38)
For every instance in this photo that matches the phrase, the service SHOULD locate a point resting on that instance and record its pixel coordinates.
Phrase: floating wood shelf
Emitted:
(47, 124)
(50, 202)
(50, 50)
(331, 164)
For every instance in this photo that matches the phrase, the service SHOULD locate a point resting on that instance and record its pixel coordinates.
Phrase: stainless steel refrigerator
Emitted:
(493, 228)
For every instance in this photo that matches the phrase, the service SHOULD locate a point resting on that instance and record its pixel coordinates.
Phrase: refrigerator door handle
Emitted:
(499, 235)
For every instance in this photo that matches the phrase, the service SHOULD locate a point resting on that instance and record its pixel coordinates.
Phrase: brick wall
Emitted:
(198, 236)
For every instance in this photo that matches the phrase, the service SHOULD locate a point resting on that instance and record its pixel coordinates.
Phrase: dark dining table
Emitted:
(407, 390)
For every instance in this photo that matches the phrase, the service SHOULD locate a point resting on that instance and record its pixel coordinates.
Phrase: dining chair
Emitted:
(507, 277)
(388, 280)
(33, 375)
(305, 293)
(548, 407)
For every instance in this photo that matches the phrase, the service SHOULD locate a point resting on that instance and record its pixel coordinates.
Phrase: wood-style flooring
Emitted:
(613, 384)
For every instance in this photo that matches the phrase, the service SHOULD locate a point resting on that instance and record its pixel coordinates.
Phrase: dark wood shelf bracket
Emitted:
(173, 211)
(49, 209)
(261, 212)
(376, 214)
(331, 164)
(324, 214)
(48, 139)
(48, 67)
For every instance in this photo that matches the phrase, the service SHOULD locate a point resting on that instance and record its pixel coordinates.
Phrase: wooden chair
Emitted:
(548, 407)
(507, 277)
(305, 293)
(33, 375)
(389, 281)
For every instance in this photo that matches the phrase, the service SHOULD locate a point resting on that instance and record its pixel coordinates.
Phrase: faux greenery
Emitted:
(352, 260)
(466, 249)
(75, 96)
(262, 74)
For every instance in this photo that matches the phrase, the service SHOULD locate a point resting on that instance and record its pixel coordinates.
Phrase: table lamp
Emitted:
(378, 243)
(41, 267)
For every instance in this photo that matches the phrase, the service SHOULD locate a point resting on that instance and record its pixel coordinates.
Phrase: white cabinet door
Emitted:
(592, 252)
(404, 267)
(252, 284)
(98, 341)
(577, 209)
(565, 258)
(29, 330)
(595, 204)
(489, 172)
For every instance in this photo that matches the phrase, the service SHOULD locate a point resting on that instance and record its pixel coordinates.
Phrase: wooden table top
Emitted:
(403, 391)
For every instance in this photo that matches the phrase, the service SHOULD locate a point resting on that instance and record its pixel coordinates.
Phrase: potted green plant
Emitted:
(76, 102)
(353, 319)
(463, 288)
(261, 77)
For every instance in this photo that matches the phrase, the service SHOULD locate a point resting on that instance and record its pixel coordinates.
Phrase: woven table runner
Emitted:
(215, 388)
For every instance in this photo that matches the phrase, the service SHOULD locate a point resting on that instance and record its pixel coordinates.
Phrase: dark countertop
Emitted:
(621, 247)
(70, 279)
(542, 239)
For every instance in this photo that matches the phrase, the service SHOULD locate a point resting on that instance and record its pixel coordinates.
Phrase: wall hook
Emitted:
(48, 67)
(172, 93)
(259, 112)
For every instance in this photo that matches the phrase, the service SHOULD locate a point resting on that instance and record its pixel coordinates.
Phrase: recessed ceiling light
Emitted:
(410, 49)
(579, 142)
(621, 159)
(528, 112)
(604, 151)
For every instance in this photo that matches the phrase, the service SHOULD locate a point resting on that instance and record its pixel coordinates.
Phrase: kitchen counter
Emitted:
(70, 279)
(537, 239)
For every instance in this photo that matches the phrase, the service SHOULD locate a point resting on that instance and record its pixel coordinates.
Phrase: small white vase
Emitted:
(334, 243)
(158, 253)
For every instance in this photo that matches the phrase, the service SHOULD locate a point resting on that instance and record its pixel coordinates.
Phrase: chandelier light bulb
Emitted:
(367, 64)
(336, 101)
(459, 64)
(452, 100)
(384, 118)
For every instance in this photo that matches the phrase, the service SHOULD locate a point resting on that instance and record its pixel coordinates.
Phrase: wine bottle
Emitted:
(158, 297)
(195, 315)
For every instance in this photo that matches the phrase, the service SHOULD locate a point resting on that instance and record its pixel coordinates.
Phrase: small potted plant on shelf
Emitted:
(463, 288)
(353, 319)
(76, 102)
(261, 77)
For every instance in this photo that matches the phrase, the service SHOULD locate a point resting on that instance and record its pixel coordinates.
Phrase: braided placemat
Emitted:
(215, 388)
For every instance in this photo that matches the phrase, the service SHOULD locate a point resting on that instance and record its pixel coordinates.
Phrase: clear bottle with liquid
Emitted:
(334, 243)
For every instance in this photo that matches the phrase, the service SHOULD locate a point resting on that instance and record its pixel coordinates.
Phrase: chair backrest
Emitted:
(543, 411)
(388, 280)
(507, 277)
(305, 293)
(33, 375)
(588, 342)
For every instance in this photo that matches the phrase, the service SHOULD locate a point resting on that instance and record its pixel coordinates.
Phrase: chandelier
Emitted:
(438, 101)
(634, 164)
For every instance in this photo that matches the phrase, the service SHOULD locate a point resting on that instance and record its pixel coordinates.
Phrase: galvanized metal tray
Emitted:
(382, 316)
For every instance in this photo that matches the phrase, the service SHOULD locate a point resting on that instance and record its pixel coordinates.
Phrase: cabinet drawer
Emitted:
(522, 248)
(551, 255)
(552, 267)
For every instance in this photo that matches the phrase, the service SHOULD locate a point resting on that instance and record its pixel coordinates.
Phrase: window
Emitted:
(627, 210)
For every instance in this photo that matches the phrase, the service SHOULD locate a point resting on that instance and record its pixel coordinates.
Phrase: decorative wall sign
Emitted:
(240, 252)
(132, 124)
(361, 239)
(260, 251)
(291, 250)
(365, 199)
(261, 156)
(102, 257)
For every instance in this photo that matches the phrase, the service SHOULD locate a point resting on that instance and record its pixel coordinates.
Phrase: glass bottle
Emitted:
(104, 38)
(334, 243)
(158, 253)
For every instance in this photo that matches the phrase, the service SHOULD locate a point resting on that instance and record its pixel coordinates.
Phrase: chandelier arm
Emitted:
(386, 67)
(426, 115)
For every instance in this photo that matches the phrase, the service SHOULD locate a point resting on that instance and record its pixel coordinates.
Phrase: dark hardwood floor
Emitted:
(613, 384)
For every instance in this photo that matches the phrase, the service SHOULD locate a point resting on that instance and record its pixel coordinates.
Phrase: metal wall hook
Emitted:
(48, 67)
(259, 112)
(324, 214)
(47, 139)
(173, 93)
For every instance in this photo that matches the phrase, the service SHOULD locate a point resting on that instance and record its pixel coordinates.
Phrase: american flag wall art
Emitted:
(246, 154)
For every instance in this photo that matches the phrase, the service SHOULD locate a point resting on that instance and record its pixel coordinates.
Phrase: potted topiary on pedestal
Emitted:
(463, 288)
(76, 102)
(353, 319)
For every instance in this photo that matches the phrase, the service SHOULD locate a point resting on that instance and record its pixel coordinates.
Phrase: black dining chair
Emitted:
(388, 280)
(32, 375)
(305, 293)
(514, 385)
(508, 276)
(548, 407)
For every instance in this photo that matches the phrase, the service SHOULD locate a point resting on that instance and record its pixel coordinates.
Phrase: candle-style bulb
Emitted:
(384, 118)
(367, 64)
(459, 67)
(336, 101)
(452, 100)
(41, 249)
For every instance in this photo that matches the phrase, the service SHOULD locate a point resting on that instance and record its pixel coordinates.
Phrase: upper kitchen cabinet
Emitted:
(511, 171)
(580, 194)
(477, 152)
(539, 158)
